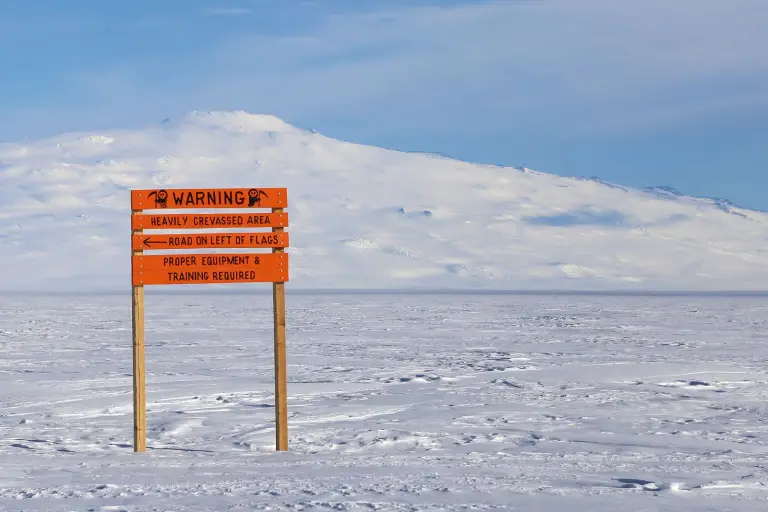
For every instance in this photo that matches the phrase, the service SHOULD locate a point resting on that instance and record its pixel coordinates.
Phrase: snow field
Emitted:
(409, 402)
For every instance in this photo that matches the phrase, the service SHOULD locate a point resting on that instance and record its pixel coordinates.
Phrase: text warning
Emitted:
(209, 198)
(210, 241)
(210, 268)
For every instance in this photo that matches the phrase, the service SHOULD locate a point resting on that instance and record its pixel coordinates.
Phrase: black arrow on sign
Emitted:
(149, 243)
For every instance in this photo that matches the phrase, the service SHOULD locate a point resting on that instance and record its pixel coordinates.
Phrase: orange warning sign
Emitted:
(179, 266)
(209, 220)
(209, 198)
(210, 269)
(265, 239)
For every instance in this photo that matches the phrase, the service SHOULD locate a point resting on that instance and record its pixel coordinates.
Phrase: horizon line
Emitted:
(403, 291)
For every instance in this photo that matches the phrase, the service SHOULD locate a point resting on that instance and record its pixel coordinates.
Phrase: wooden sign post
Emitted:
(174, 267)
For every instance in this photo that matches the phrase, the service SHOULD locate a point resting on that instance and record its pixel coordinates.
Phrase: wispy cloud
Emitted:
(601, 64)
(556, 66)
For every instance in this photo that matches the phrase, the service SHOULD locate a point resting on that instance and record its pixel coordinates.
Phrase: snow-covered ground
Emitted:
(397, 402)
(366, 217)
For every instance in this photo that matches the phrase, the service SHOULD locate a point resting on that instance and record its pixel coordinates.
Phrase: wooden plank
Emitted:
(210, 268)
(209, 220)
(139, 374)
(150, 242)
(281, 365)
(183, 198)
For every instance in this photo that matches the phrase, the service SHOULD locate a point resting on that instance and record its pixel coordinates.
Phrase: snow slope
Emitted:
(366, 217)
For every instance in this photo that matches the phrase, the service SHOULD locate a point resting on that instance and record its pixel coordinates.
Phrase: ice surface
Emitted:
(397, 402)
(364, 217)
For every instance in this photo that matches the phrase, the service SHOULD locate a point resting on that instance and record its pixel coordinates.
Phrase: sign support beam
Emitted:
(139, 378)
(281, 370)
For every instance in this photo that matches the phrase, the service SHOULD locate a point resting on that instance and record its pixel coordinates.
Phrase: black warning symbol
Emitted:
(254, 196)
(161, 198)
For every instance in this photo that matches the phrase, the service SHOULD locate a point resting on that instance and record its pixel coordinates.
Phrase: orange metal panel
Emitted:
(173, 198)
(209, 220)
(209, 269)
(253, 240)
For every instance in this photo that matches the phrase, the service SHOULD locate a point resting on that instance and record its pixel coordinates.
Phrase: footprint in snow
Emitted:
(650, 485)
(688, 384)
(419, 378)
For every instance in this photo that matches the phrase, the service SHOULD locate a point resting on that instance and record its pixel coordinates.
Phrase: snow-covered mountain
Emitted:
(366, 217)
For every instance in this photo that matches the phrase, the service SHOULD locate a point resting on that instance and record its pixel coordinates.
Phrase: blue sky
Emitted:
(640, 93)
